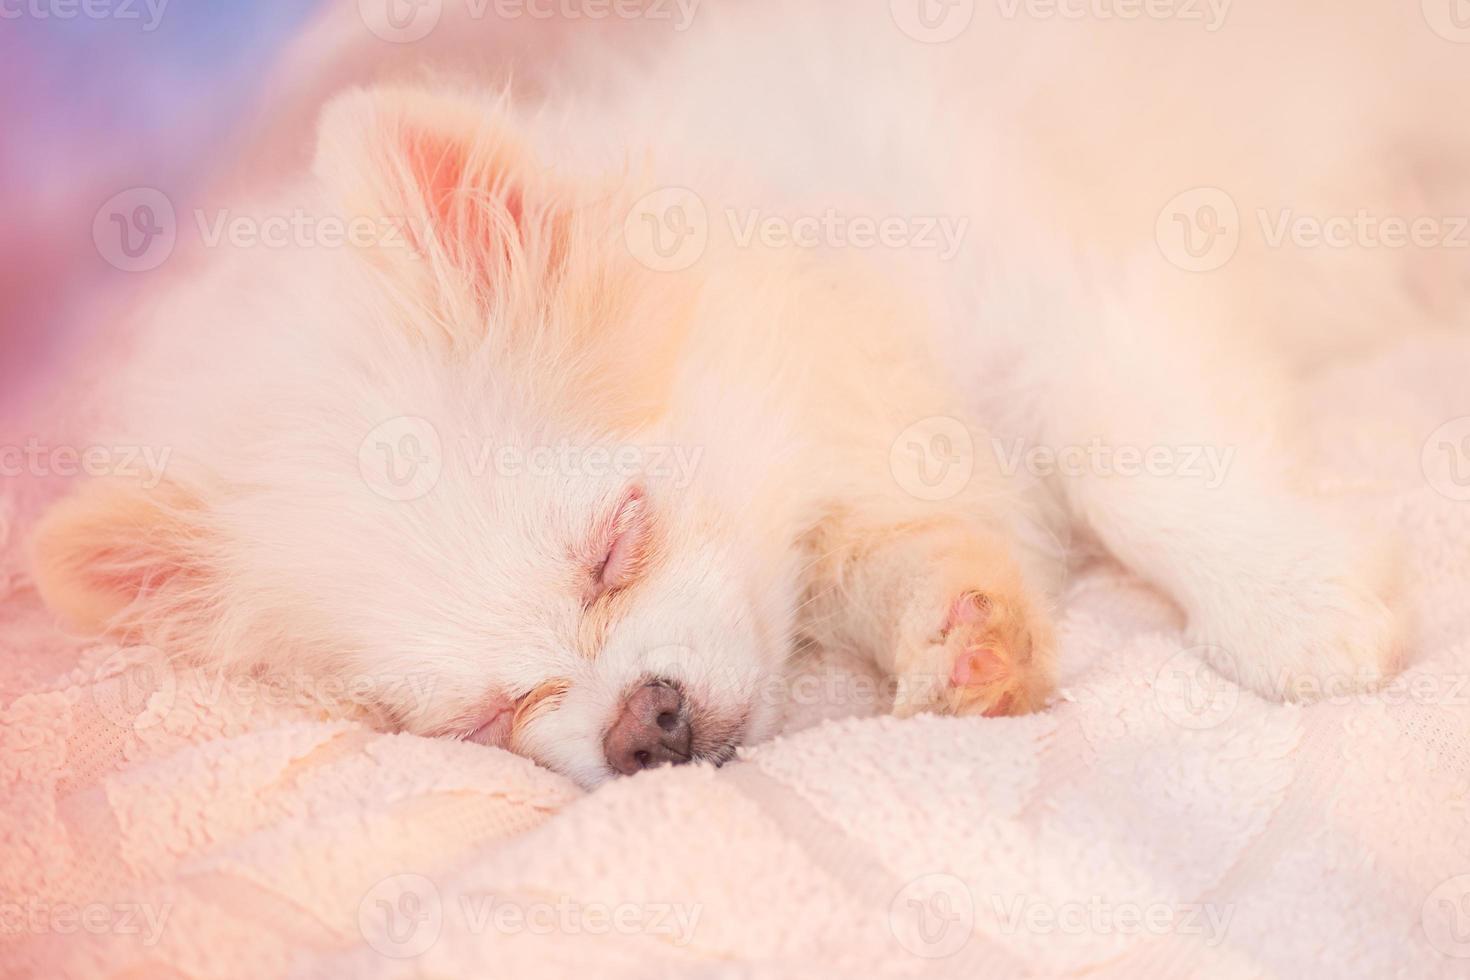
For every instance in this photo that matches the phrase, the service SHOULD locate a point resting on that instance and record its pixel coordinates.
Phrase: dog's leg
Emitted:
(909, 538)
(941, 605)
(1286, 600)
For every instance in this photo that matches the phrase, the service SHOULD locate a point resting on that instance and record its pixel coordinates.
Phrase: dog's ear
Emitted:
(101, 553)
(449, 176)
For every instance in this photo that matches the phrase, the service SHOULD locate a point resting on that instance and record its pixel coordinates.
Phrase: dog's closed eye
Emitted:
(622, 546)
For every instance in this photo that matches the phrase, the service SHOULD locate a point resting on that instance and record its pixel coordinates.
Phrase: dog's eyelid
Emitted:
(625, 540)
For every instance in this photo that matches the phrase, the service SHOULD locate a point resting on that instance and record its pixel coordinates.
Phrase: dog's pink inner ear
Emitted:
(625, 546)
(471, 195)
(452, 171)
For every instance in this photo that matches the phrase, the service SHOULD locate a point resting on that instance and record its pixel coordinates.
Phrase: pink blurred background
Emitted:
(94, 106)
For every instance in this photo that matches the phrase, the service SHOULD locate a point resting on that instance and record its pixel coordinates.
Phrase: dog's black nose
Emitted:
(653, 730)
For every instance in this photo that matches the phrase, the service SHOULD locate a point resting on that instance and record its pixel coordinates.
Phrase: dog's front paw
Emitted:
(1304, 640)
(987, 652)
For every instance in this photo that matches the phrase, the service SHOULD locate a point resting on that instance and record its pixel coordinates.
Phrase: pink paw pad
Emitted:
(978, 667)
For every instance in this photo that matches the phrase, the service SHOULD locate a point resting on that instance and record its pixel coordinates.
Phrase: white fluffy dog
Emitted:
(806, 324)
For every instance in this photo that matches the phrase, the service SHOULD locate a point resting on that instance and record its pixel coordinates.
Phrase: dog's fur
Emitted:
(808, 384)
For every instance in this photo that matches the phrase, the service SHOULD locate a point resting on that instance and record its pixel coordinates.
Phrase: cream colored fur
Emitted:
(518, 316)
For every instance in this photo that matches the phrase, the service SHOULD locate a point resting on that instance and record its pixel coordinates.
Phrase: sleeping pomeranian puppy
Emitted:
(818, 325)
